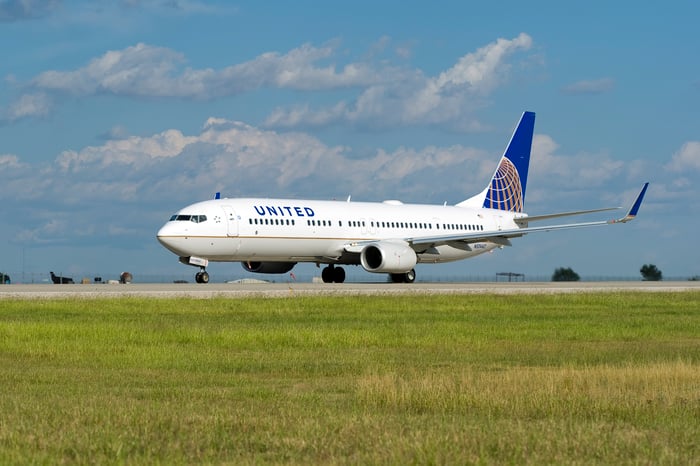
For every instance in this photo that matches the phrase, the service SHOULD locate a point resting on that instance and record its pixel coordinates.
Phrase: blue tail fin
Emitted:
(507, 188)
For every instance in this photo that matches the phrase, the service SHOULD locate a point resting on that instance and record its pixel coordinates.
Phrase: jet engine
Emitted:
(388, 257)
(268, 267)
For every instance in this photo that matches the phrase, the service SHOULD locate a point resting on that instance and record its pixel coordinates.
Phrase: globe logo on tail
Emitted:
(505, 192)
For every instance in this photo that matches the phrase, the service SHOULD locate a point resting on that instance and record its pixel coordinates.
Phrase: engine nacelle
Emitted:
(268, 267)
(388, 257)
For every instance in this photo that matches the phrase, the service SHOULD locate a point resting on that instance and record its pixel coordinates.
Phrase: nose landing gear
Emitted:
(408, 277)
(202, 276)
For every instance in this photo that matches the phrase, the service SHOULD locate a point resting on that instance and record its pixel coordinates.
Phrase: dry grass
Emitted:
(596, 392)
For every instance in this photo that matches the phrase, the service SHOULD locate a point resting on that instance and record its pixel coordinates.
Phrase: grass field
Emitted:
(609, 378)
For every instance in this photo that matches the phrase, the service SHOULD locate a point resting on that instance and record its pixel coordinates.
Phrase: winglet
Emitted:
(635, 207)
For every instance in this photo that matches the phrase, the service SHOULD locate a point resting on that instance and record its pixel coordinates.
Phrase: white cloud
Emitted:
(29, 105)
(409, 97)
(9, 161)
(134, 151)
(388, 95)
(149, 71)
(570, 176)
(482, 70)
(303, 115)
(687, 158)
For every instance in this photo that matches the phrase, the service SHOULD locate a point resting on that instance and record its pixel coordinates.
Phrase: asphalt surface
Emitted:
(234, 290)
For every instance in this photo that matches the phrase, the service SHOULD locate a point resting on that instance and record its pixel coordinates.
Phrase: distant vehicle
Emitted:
(272, 235)
(126, 277)
(57, 279)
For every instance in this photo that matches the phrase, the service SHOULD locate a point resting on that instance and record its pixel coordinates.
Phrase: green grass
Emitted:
(565, 378)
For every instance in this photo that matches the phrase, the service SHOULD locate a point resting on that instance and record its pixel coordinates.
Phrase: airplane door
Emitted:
(231, 221)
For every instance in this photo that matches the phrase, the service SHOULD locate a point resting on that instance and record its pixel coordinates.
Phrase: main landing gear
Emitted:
(333, 274)
(408, 277)
(202, 276)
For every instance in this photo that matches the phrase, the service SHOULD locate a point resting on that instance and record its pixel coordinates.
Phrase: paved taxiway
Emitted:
(233, 290)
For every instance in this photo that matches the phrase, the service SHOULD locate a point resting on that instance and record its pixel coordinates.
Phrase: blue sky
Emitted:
(114, 114)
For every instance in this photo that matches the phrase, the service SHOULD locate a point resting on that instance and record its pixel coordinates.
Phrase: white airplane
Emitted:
(272, 235)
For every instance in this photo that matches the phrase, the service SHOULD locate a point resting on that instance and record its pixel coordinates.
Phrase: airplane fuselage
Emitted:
(281, 230)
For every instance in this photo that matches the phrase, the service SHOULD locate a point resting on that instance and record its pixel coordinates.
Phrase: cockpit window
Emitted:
(188, 218)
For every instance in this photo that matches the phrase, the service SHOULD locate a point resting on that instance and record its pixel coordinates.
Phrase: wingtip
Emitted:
(632, 214)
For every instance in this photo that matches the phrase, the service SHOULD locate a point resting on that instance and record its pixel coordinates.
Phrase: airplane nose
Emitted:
(165, 236)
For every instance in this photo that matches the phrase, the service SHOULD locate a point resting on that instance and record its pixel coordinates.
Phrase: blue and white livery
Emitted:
(272, 235)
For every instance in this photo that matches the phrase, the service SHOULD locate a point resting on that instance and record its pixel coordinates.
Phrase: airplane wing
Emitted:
(502, 236)
(523, 221)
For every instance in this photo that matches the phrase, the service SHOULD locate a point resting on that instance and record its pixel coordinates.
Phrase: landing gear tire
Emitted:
(408, 277)
(201, 277)
(332, 274)
(338, 274)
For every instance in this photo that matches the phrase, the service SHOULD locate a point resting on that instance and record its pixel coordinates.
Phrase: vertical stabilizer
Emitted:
(506, 191)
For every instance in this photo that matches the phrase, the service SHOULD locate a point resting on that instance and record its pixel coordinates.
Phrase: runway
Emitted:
(282, 290)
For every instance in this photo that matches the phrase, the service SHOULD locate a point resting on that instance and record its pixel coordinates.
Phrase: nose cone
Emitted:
(167, 236)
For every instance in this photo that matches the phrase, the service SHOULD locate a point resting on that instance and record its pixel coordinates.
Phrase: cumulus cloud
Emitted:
(149, 71)
(387, 95)
(411, 97)
(9, 161)
(686, 158)
(28, 105)
(595, 86)
(133, 151)
(569, 175)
